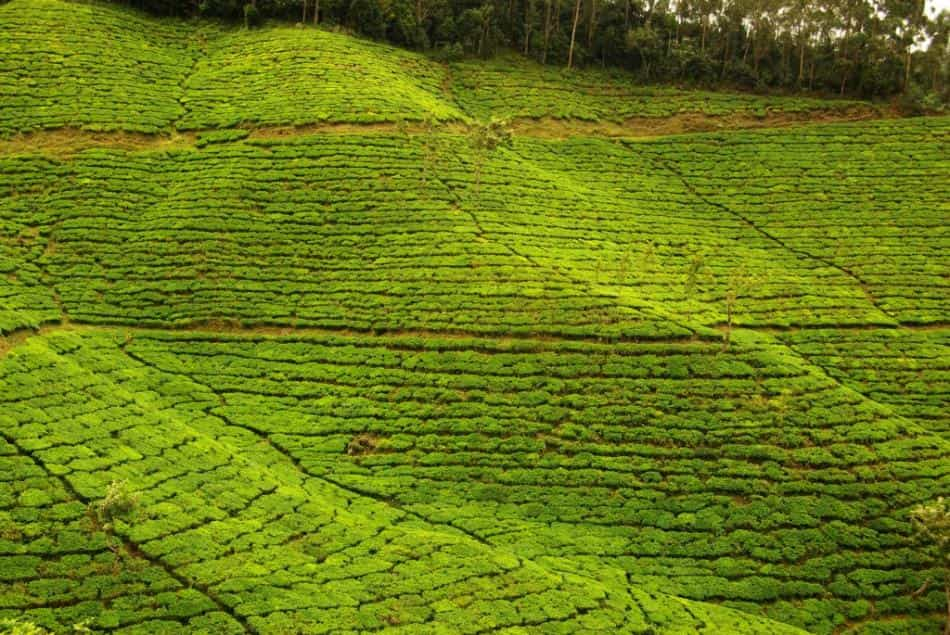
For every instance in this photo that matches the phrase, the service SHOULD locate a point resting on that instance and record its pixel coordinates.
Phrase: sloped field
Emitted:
(515, 88)
(107, 68)
(367, 378)
(874, 206)
(908, 370)
(577, 238)
(97, 68)
(236, 535)
(768, 478)
(298, 76)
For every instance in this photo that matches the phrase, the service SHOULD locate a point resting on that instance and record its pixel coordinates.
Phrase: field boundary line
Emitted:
(132, 546)
(669, 167)
(65, 141)
(19, 336)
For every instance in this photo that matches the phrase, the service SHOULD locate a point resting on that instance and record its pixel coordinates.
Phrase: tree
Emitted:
(740, 283)
(644, 42)
(932, 523)
(485, 138)
(694, 270)
(866, 48)
(577, 14)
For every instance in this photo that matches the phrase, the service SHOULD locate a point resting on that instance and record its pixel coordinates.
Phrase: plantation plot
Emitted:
(909, 370)
(869, 199)
(333, 231)
(25, 298)
(516, 88)
(580, 238)
(262, 544)
(612, 217)
(748, 478)
(91, 67)
(65, 64)
(300, 76)
(61, 572)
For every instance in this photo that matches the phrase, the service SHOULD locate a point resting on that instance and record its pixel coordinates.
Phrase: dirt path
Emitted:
(65, 142)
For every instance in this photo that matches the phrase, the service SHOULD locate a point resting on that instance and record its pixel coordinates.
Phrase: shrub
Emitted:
(117, 503)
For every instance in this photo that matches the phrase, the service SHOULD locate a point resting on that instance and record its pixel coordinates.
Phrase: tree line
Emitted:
(862, 48)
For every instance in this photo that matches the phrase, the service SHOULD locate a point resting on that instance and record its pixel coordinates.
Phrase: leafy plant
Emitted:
(118, 503)
(485, 138)
(932, 522)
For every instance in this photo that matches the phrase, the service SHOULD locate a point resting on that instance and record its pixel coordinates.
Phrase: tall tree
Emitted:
(577, 15)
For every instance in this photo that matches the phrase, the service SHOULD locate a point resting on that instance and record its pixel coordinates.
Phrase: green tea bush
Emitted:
(238, 532)
(512, 87)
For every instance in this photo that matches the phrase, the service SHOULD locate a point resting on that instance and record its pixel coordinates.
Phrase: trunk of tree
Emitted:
(547, 30)
(626, 16)
(591, 24)
(725, 58)
(846, 66)
(702, 37)
(907, 70)
(303, 20)
(316, 11)
(946, 591)
(570, 51)
(527, 25)
(801, 61)
(727, 338)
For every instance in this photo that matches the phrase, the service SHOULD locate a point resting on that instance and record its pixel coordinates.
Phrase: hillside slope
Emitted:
(373, 376)
(238, 536)
(62, 66)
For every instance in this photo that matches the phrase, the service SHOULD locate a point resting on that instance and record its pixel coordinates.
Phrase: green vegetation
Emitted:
(906, 370)
(874, 206)
(71, 64)
(299, 76)
(861, 47)
(112, 69)
(238, 535)
(300, 334)
(513, 87)
(576, 238)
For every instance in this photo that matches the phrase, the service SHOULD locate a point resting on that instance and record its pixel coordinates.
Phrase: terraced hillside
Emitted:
(355, 374)
(62, 66)
(515, 88)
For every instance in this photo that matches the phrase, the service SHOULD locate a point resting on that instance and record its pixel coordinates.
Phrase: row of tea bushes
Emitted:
(260, 543)
(513, 87)
(868, 199)
(745, 477)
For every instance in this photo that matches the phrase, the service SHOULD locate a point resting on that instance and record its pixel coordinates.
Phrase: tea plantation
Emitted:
(515, 88)
(289, 343)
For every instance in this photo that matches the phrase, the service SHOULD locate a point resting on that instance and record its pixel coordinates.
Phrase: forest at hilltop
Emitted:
(864, 48)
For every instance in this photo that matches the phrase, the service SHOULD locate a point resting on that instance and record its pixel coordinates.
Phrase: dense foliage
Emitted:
(859, 47)
(109, 68)
(420, 372)
(234, 535)
(387, 232)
